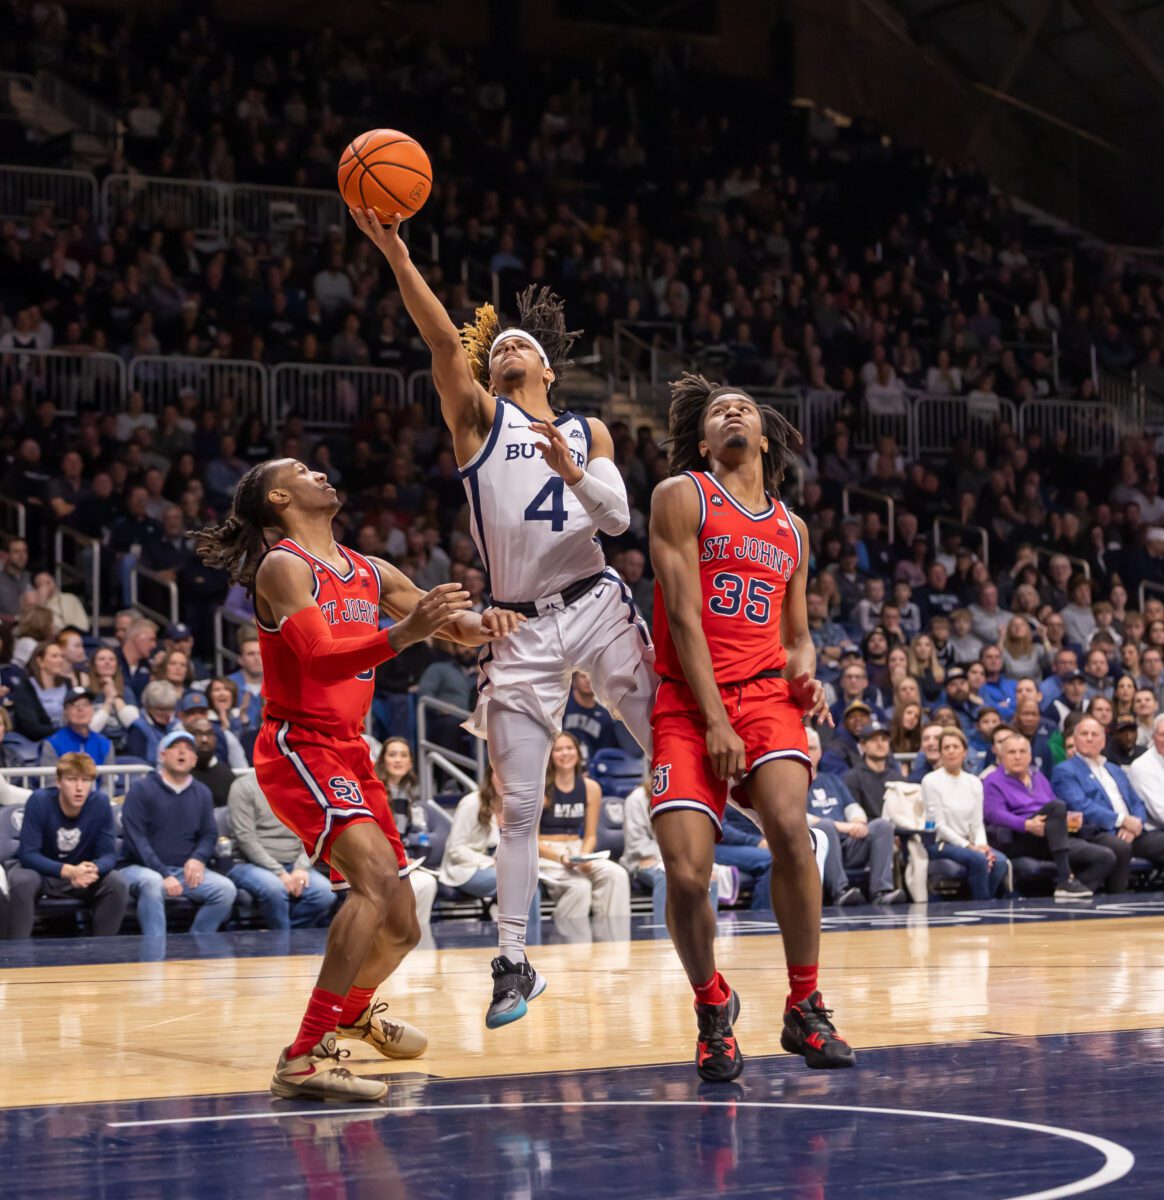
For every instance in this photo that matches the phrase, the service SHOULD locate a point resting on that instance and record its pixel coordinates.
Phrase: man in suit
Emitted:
(1100, 790)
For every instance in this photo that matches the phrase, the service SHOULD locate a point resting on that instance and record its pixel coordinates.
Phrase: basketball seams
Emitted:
(388, 162)
(384, 187)
(357, 160)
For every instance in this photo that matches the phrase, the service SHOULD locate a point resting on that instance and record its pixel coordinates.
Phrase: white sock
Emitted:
(519, 751)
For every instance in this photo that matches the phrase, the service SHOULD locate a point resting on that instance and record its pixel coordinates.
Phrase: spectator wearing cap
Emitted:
(1018, 798)
(844, 750)
(209, 768)
(1073, 692)
(958, 698)
(854, 840)
(170, 833)
(997, 691)
(1146, 776)
(194, 706)
(67, 850)
(180, 636)
(270, 861)
(953, 800)
(158, 702)
(76, 736)
(1122, 747)
(249, 680)
(867, 781)
(1088, 783)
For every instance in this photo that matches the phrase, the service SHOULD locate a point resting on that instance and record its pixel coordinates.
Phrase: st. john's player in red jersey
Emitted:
(317, 607)
(737, 665)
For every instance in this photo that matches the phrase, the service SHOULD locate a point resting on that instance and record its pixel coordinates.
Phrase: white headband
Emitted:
(525, 337)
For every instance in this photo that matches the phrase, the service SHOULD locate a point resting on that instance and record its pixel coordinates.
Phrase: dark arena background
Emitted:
(930, 234)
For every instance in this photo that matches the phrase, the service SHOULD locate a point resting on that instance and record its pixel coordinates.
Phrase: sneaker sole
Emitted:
(821, 1063)
(1073, 896)
(519, 1011)
(291, 1091)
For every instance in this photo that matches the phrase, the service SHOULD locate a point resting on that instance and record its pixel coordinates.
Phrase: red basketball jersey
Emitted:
(350, 603)
(745, 562)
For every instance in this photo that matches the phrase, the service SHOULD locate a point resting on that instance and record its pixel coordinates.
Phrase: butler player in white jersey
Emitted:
(541, 486)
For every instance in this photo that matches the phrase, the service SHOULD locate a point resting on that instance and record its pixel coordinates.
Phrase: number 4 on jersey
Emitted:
(555, 493)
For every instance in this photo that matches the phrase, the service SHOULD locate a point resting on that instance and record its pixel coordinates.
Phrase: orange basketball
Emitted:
(387, 171)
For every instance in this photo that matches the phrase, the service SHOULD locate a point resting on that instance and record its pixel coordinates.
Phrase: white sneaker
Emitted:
(394, 1039)
(318, 1075)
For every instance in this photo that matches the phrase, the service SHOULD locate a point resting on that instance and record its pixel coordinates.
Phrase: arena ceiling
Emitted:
(1094, 65)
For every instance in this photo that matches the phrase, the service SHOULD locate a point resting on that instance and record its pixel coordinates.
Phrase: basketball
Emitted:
(387, 171)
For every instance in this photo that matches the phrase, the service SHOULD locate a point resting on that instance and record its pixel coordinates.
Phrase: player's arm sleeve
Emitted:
(327, 659)
(602, 493)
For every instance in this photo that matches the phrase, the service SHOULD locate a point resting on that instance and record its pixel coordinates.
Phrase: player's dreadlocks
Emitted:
(237, 545)
(690, 397)
(541, 314)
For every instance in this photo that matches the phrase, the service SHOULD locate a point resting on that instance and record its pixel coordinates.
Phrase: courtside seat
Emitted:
(48, 908)
(945, 877)
(610, 827)
(449, 901)
(1033, 873)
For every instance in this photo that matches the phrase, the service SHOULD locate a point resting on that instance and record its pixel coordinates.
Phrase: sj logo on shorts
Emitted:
(346, 791)
(661, 779)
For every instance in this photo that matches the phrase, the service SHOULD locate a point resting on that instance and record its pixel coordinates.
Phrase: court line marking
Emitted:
(1118, 1160)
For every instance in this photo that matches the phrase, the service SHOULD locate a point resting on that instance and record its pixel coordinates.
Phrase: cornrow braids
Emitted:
(237, 545)
(540, 313)
(690, 396)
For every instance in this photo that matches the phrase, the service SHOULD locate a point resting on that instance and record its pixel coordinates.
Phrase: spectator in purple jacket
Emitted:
(1019, 799)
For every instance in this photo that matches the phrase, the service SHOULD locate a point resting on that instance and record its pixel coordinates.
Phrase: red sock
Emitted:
(358, 999)
(321, 1017)
(714, 991)
(801, 983)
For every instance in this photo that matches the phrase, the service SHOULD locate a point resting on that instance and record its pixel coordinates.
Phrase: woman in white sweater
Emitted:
(953, 800)
(471, 849)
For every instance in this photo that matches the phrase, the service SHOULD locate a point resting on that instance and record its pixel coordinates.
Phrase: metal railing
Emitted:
(273, 212)
(193, 204)
(421, 390)
(330, 397)
(878, 498)
(224, 654)
(955, 524)
(1082, 566)
(651, 349)
(136, 574)
(38, 775)
(431, 755)
(86, 572)
(160, 377)
(940, 421)
(1146, 586)
(24, 191)
(14, 516)
(72, 380)
(1092, 429)
(80, 110)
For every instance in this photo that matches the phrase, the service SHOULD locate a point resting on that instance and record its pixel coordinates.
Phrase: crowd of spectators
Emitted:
(780, 269)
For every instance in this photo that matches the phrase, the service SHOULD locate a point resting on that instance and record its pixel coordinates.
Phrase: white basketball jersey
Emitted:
(533, 534)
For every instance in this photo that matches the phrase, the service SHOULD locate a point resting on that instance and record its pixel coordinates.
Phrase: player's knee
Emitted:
(787, 834)
(687, 884)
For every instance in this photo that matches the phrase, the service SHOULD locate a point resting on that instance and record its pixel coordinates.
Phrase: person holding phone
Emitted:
(567, 835)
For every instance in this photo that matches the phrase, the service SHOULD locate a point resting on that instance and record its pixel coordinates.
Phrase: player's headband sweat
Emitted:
(510, 334)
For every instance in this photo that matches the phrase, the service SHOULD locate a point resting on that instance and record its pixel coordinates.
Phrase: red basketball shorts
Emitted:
(318, 786)
(762, 713)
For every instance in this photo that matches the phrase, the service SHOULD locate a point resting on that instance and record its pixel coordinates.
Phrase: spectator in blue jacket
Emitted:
(169, 830)
(76, 736)
(844, 750)
(998, 691)
(958, 699)
(1066, 663)
(979, 751)
(249, 680)
(1100, 790)
(159, 700)
(854, 840)
(744, 848)
(67, 850)
(588, 721)
(926, 759)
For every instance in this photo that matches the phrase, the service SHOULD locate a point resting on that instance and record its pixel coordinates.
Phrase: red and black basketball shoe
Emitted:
(809, 1032)
(717, 1056)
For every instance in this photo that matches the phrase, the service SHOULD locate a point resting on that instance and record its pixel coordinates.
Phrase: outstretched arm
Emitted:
(399, 596)
(465, 405)
(675, 557)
